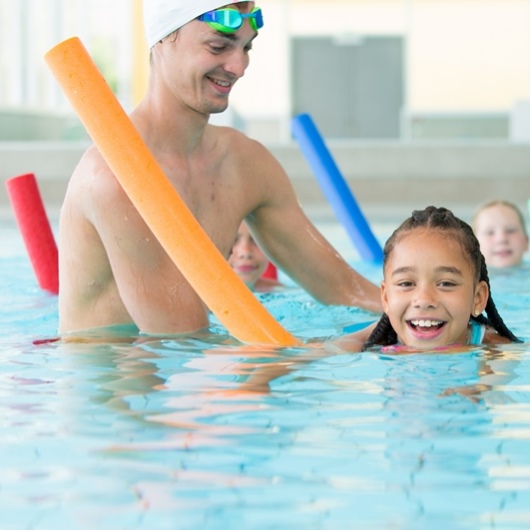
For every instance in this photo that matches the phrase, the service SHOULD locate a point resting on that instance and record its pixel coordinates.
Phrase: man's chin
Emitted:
(219, 108)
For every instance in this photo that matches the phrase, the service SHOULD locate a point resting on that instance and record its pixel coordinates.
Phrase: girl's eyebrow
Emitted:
(402, 270)
(450, 270)
(444, 269)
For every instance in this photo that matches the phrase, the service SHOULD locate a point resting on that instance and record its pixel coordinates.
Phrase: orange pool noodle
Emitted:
(30, 214)
(157, 201)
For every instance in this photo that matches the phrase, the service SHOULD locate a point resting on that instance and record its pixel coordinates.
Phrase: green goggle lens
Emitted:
(229, 20)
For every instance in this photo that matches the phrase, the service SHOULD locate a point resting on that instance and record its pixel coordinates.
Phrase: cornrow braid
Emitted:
(444, 220)
(382, 335)
(493, 318)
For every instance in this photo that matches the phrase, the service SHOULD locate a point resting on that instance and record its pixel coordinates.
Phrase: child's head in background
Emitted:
(500, 228)
(249, 261)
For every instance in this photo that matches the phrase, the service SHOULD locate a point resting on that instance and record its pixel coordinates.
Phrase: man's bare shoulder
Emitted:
(93, 187)
(91, 163)
(235, 143)
(254, 163)
(94, 173)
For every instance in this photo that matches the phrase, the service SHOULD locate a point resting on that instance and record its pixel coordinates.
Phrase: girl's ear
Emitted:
(384, 299)
(482, 294)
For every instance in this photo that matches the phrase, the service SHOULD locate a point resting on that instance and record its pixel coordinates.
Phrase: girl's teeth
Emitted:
(425, 323)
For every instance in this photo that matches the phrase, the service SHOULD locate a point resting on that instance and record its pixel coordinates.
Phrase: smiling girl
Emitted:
(435, 290)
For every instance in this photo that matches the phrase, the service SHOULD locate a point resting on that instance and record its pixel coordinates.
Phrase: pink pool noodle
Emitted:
(35, 228)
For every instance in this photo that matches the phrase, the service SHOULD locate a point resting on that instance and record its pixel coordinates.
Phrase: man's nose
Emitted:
(237, 63)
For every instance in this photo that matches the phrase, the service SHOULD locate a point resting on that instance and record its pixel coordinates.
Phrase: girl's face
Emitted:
(247, 259)
(502, 238)
(429, 290)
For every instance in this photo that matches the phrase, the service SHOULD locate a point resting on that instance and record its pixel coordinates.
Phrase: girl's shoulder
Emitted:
(492, 337)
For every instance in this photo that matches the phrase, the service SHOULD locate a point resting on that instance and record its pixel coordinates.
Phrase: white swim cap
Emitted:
(162, 17)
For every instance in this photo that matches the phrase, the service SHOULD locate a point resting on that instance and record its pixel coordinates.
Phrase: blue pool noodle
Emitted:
(335, 188)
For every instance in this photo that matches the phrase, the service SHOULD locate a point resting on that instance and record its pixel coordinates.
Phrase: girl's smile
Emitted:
(426, 329)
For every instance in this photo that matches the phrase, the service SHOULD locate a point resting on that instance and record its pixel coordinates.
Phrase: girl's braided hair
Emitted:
(444, 220)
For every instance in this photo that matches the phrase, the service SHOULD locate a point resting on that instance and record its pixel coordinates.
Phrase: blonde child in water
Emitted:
(435, 291)
(500, 228)
(249, 262)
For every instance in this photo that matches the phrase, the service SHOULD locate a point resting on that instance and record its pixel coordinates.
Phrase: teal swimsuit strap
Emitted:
(477, 332)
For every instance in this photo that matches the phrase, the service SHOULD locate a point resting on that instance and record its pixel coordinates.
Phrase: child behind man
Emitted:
(249, 262)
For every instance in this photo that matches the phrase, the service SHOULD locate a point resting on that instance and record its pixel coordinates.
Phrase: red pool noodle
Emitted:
(35, 228)
(270, 272)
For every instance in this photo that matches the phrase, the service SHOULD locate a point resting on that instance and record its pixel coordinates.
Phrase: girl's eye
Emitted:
(447, 283)
(404, 283)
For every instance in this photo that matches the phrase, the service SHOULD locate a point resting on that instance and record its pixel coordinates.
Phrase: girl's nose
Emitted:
(243, 250)
(501, 235)
(426, 298)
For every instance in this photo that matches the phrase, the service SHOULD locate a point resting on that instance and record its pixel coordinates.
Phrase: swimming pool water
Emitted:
(162, 434)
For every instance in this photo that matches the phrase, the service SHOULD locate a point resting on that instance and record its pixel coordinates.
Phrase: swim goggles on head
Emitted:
(229, 20)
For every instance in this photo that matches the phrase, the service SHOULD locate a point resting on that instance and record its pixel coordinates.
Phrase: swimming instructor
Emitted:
(112, 270)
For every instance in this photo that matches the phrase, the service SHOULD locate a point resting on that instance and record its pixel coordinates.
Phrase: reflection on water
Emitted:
(170, 434)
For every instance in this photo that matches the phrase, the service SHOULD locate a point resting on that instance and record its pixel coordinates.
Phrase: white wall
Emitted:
(29, 28)
(264, 93)
(469, 55)
(462, 55)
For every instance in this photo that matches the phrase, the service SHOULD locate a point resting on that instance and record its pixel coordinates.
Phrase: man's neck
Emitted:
(170, 129)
